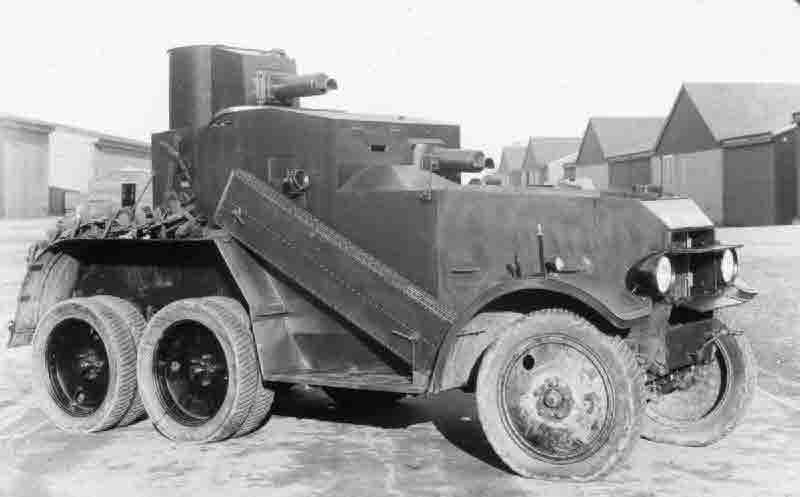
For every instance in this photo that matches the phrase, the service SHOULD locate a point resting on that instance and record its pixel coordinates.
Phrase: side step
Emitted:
(360, 380)
(385, 305)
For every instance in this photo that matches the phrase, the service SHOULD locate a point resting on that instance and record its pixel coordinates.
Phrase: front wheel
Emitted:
(558, 399)
(713, 401)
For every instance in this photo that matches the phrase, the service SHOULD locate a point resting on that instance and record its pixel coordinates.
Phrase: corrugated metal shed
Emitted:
(619, 136)
(733, 110)
(557, 169)
(613, 148)
(511, 158)
(46, 167)
(541, 151)
(24, 152)
(737, 140)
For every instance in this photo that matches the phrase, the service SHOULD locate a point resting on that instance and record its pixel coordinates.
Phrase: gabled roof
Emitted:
(48, 127)
(511, 158)
(626, 135)
(733, 110)
(544, 150)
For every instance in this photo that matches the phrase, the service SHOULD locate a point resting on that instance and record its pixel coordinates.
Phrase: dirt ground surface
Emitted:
(423, 446)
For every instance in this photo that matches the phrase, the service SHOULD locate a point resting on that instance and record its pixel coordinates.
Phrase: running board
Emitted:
(399, 315)
(358, 380)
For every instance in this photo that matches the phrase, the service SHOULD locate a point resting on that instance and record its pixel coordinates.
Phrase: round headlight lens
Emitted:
(558, 263)
(665, 277)
(728, 266)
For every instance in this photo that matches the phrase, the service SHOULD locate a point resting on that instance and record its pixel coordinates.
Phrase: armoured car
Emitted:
(339, 250)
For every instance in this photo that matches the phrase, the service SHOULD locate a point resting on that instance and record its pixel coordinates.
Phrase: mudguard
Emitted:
(47, 276)
(465, 341)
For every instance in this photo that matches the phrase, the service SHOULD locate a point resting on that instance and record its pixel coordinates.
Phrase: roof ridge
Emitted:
(77, 129)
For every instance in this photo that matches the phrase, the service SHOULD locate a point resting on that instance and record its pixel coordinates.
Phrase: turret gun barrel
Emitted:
(290, 87)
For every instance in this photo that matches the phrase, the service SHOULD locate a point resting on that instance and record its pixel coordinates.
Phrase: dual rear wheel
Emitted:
(84, 363)
(192, 369)
(198, 371)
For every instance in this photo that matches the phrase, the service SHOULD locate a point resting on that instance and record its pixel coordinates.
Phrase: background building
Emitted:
(545, 158)
(510, 168)
(617, 151)
(732, 148)
(47, 168)
(537, 161)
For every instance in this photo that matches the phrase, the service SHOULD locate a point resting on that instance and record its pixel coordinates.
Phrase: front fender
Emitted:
(462, 347)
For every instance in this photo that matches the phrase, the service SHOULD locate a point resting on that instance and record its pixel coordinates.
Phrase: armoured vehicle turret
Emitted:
(339, 250)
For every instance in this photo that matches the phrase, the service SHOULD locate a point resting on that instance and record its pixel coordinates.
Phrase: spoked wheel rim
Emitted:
(706, 394)
(191, 373)
(77, 366)
(557, 399)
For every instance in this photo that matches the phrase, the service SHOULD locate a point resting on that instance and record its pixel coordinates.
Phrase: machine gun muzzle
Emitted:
(290, 87)
(451, 160)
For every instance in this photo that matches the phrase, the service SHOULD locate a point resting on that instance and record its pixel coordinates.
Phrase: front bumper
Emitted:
(738, 293)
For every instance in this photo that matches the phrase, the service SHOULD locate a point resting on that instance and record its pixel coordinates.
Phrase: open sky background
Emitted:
(504, 70)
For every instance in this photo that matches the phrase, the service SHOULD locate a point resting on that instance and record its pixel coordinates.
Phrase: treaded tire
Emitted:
(235, 341)
(121, 360)
(362, 400)
(262, 404)
(730, 405)
(136, 325)
(618, 364)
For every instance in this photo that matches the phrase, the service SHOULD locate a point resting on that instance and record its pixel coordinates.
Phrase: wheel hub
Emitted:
(78, 367)
(90, 363)
(554, 400)
(557, 399)
(192, 372)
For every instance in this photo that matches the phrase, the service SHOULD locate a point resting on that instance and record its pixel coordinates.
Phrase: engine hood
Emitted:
(489, 236)
(460, 241)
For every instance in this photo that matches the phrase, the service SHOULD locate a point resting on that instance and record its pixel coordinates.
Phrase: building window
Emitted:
(128, 194)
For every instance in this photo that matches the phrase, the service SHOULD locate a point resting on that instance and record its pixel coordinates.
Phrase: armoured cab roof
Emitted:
(333, 114)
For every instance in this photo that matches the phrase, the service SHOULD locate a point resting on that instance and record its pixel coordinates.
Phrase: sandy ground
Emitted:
(421, 447)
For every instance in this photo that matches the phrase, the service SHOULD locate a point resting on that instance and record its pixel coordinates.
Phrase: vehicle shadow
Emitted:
(453, 414)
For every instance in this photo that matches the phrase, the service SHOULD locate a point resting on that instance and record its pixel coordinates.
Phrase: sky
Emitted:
(503, 70)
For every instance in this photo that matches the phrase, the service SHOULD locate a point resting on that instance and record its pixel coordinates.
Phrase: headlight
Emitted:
(665, 277)
(728, 266)
(653, 276)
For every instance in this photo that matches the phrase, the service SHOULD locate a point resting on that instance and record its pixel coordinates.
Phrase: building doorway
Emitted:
(128, 194)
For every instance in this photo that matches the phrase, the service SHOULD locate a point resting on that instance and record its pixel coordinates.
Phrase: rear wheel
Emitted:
(557, 399)
(712, 401)
(135, 324)
(84, 366)
(264, 398)
(197, 371)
